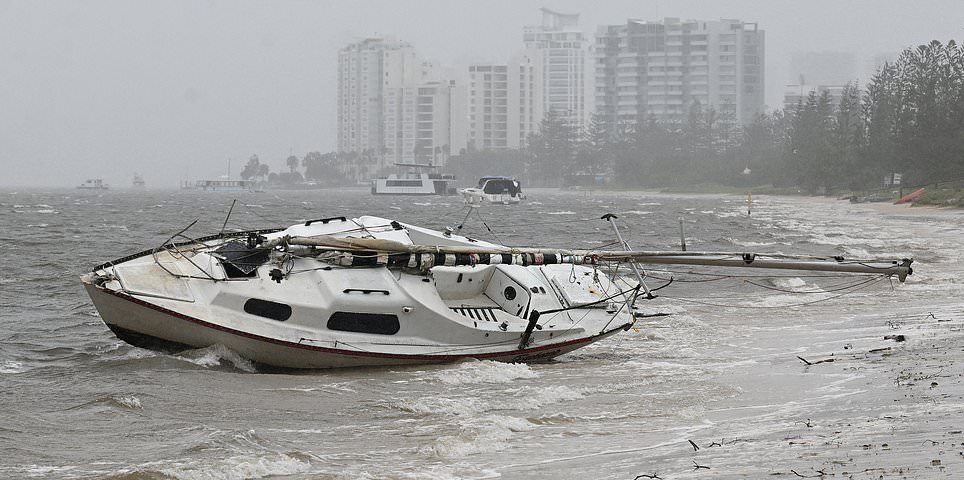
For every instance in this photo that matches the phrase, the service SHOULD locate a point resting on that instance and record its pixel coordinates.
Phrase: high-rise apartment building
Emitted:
(393, 107)
(366, 69)
(559, 49)
(419, 122)
(659, 69)
(505, 102)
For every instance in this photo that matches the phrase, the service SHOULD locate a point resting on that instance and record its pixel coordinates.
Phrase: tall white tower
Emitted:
(560, 50)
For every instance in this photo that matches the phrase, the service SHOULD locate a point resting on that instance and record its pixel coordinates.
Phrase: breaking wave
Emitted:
(481, 435)
(241, 467)
(217, 356)
(522, 399)
(11, 366)
(118, 401)
(485, 371)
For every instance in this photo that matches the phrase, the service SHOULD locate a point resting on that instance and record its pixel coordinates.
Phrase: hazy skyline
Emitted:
(172, 90)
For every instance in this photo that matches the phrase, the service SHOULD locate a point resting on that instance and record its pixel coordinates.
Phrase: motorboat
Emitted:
(416, 179)
(368, 291)
(504, 190)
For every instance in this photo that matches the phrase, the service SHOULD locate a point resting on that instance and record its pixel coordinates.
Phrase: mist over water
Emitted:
(722, 367)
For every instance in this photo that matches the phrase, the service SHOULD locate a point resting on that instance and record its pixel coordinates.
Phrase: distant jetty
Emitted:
(220, 185)
(93, 184)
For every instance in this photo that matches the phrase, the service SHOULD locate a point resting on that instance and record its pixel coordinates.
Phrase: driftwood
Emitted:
(804, 360)
(820, 473)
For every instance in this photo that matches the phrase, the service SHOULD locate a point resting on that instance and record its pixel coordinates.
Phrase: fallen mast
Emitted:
(359, 252)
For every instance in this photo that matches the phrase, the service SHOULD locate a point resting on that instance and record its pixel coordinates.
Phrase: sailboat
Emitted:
(369, 291)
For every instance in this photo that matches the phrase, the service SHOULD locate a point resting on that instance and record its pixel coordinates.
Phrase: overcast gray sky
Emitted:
(173, 89)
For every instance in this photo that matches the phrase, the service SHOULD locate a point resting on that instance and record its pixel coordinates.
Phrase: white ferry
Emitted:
(414, 181)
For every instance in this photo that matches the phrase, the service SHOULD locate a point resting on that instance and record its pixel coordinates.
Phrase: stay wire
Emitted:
(710, 304)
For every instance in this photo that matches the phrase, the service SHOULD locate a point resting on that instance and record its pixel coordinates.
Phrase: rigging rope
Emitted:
(856, 287)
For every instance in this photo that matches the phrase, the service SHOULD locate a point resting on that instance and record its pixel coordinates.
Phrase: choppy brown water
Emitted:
(722, 370)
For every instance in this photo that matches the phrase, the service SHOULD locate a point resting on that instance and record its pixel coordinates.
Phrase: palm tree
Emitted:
(292, 163)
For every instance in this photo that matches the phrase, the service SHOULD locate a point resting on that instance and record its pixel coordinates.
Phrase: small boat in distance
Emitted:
(414, 181)
(93, 184)
(368, 291)
(504, 190)
(138, 183)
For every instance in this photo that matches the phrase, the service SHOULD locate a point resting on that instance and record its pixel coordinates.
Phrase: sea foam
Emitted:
(485, 371)
(240, 467)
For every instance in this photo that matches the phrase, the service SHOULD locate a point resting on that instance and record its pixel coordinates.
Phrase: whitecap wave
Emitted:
(523, 399)
(563, 212)
(241, 467)
(485, 371)
(481, 435)
(127, 401)
(215, 355)
(11, 366)
(746, 243)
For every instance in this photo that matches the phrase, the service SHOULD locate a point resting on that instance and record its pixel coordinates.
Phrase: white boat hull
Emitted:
(147, 325)
(475, 196)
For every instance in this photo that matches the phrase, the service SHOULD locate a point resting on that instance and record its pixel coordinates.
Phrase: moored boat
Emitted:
(414, 180)
(504, 190)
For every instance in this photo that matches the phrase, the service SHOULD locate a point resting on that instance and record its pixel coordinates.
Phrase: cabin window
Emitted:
(268, 309)
(509, 293)
(403, 183)
(378, 323)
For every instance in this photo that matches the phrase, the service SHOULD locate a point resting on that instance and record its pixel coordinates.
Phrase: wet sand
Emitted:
(866, 407)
